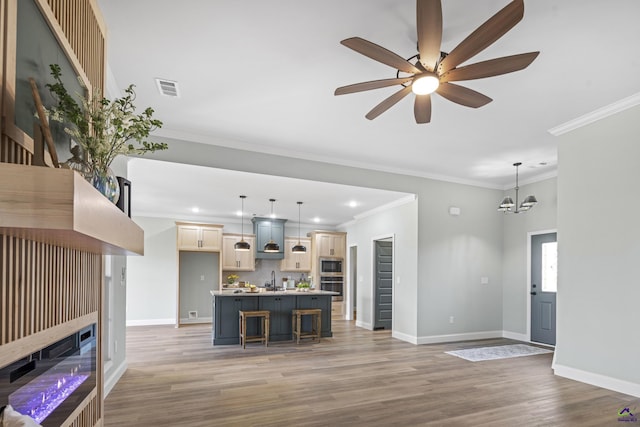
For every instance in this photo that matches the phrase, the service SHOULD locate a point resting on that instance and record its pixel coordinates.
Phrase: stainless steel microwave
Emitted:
(330, 266)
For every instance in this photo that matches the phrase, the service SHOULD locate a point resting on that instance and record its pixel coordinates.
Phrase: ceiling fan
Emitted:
(431, 70)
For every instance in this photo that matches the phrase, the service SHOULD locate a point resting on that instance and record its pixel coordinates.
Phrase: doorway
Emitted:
(383, 288)
(543, 287)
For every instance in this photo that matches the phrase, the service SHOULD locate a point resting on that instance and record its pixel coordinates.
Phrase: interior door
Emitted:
(384, 284)
(544, 279)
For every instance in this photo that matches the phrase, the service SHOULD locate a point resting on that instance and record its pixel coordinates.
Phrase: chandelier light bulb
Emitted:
(425, 83)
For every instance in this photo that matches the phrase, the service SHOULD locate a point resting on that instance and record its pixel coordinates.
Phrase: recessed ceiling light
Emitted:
(238, 213)
(195, 209)
(353, 204)
(316, 219)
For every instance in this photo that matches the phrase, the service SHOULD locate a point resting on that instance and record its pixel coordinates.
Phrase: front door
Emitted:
(384, 285)
(544, 280)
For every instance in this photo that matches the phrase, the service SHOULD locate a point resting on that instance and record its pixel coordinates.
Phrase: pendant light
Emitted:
(242, 246)
(507, 205)
(271, 246)
(299, 248)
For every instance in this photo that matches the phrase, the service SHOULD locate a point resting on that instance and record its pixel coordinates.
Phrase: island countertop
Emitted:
(292, 293)
(280, 305)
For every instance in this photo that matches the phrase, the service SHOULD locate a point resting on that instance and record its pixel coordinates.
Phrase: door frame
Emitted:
(349, 284)
(391, 236)
(530, 234)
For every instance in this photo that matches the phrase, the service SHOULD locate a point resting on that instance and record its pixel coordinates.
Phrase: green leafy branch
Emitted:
(103, 128)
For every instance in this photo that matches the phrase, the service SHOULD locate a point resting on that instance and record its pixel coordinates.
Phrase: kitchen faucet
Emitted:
(273, 280)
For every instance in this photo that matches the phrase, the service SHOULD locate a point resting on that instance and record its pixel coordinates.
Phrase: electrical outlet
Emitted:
(450, 319)
(484, 280)
(202, 277)
(398, 280)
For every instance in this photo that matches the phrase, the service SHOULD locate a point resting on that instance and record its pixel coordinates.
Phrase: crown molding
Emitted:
(596, 115)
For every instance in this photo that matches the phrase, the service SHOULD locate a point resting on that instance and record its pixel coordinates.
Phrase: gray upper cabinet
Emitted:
(267, 229)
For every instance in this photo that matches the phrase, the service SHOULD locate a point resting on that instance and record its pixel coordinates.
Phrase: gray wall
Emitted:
(515, 291)
(598, 253)
(199, 274)
(401, 222)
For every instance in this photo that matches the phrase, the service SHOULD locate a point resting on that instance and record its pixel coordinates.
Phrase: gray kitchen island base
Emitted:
(227, 305)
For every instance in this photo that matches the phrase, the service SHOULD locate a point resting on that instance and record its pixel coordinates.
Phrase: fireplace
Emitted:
(50, 383)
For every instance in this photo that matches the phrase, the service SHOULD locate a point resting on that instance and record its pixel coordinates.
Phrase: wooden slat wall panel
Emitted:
(85, 33)
(13, 152)
(42, 286)
(87, 415)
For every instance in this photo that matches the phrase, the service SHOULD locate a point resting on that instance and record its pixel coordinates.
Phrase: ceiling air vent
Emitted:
(167, 87)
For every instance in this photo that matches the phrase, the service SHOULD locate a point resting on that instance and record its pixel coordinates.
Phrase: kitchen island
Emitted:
(227, 304)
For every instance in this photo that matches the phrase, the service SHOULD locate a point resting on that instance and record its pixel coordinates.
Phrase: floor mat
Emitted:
(498, 352)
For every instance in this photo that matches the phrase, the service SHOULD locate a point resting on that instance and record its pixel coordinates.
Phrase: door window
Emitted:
(550, 267)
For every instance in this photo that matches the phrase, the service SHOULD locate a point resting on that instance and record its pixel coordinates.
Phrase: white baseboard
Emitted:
(196, 321)
(515, 336)
(361, 324)
(112, 380)
(435, 339)
(148, 322)
(597, 380)
(404, 337)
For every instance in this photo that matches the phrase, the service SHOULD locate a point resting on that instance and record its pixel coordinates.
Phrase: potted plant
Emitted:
(103, 129)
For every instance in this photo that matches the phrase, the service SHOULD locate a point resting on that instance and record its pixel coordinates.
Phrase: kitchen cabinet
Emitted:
(313, 301)
(226, 327)
(199, 237)
(233, 260)
(331, 245)
(226, 306)
(280, 308)
(265, 230)
(298, 262)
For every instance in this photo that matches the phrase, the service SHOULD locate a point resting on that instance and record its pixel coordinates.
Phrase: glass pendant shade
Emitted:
(529, 201)
(507, 202)
(242, 246)
(299, 248)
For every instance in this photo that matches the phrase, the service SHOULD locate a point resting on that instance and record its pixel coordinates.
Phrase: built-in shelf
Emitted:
(59, 207)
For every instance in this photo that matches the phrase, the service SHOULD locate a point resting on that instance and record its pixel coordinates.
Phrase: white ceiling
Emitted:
(260, 75)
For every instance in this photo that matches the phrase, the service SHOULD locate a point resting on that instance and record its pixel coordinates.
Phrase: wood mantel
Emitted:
(57, 206)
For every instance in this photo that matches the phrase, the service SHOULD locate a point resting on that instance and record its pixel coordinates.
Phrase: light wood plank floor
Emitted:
(358, 377)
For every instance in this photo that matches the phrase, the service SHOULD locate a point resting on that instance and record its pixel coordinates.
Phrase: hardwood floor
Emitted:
(358, 377)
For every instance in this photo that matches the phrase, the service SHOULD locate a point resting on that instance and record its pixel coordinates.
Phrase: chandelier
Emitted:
(507, 205)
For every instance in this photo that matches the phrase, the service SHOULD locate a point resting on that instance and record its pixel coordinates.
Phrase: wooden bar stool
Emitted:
(264, 335)
(316, 324)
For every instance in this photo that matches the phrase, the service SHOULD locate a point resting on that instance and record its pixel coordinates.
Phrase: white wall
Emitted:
(599, 253)
(401, 222)
(151, 279)
(515, 290)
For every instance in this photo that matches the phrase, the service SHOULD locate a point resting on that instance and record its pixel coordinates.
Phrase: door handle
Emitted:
(533, 293)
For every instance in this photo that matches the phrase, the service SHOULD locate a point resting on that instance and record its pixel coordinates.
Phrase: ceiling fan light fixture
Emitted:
(425, 83)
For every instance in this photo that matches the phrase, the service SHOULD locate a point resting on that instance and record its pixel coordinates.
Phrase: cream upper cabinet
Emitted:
(199, 237)
(233, 260)
(296, 261)
(330, 245)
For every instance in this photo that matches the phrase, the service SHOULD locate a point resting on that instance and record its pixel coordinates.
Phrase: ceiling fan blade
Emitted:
(429, 23)
(462, 95)
(492, 67)
(422, 108)
(494, 28)
(388, 103)
(380, 54)
(374, 84)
